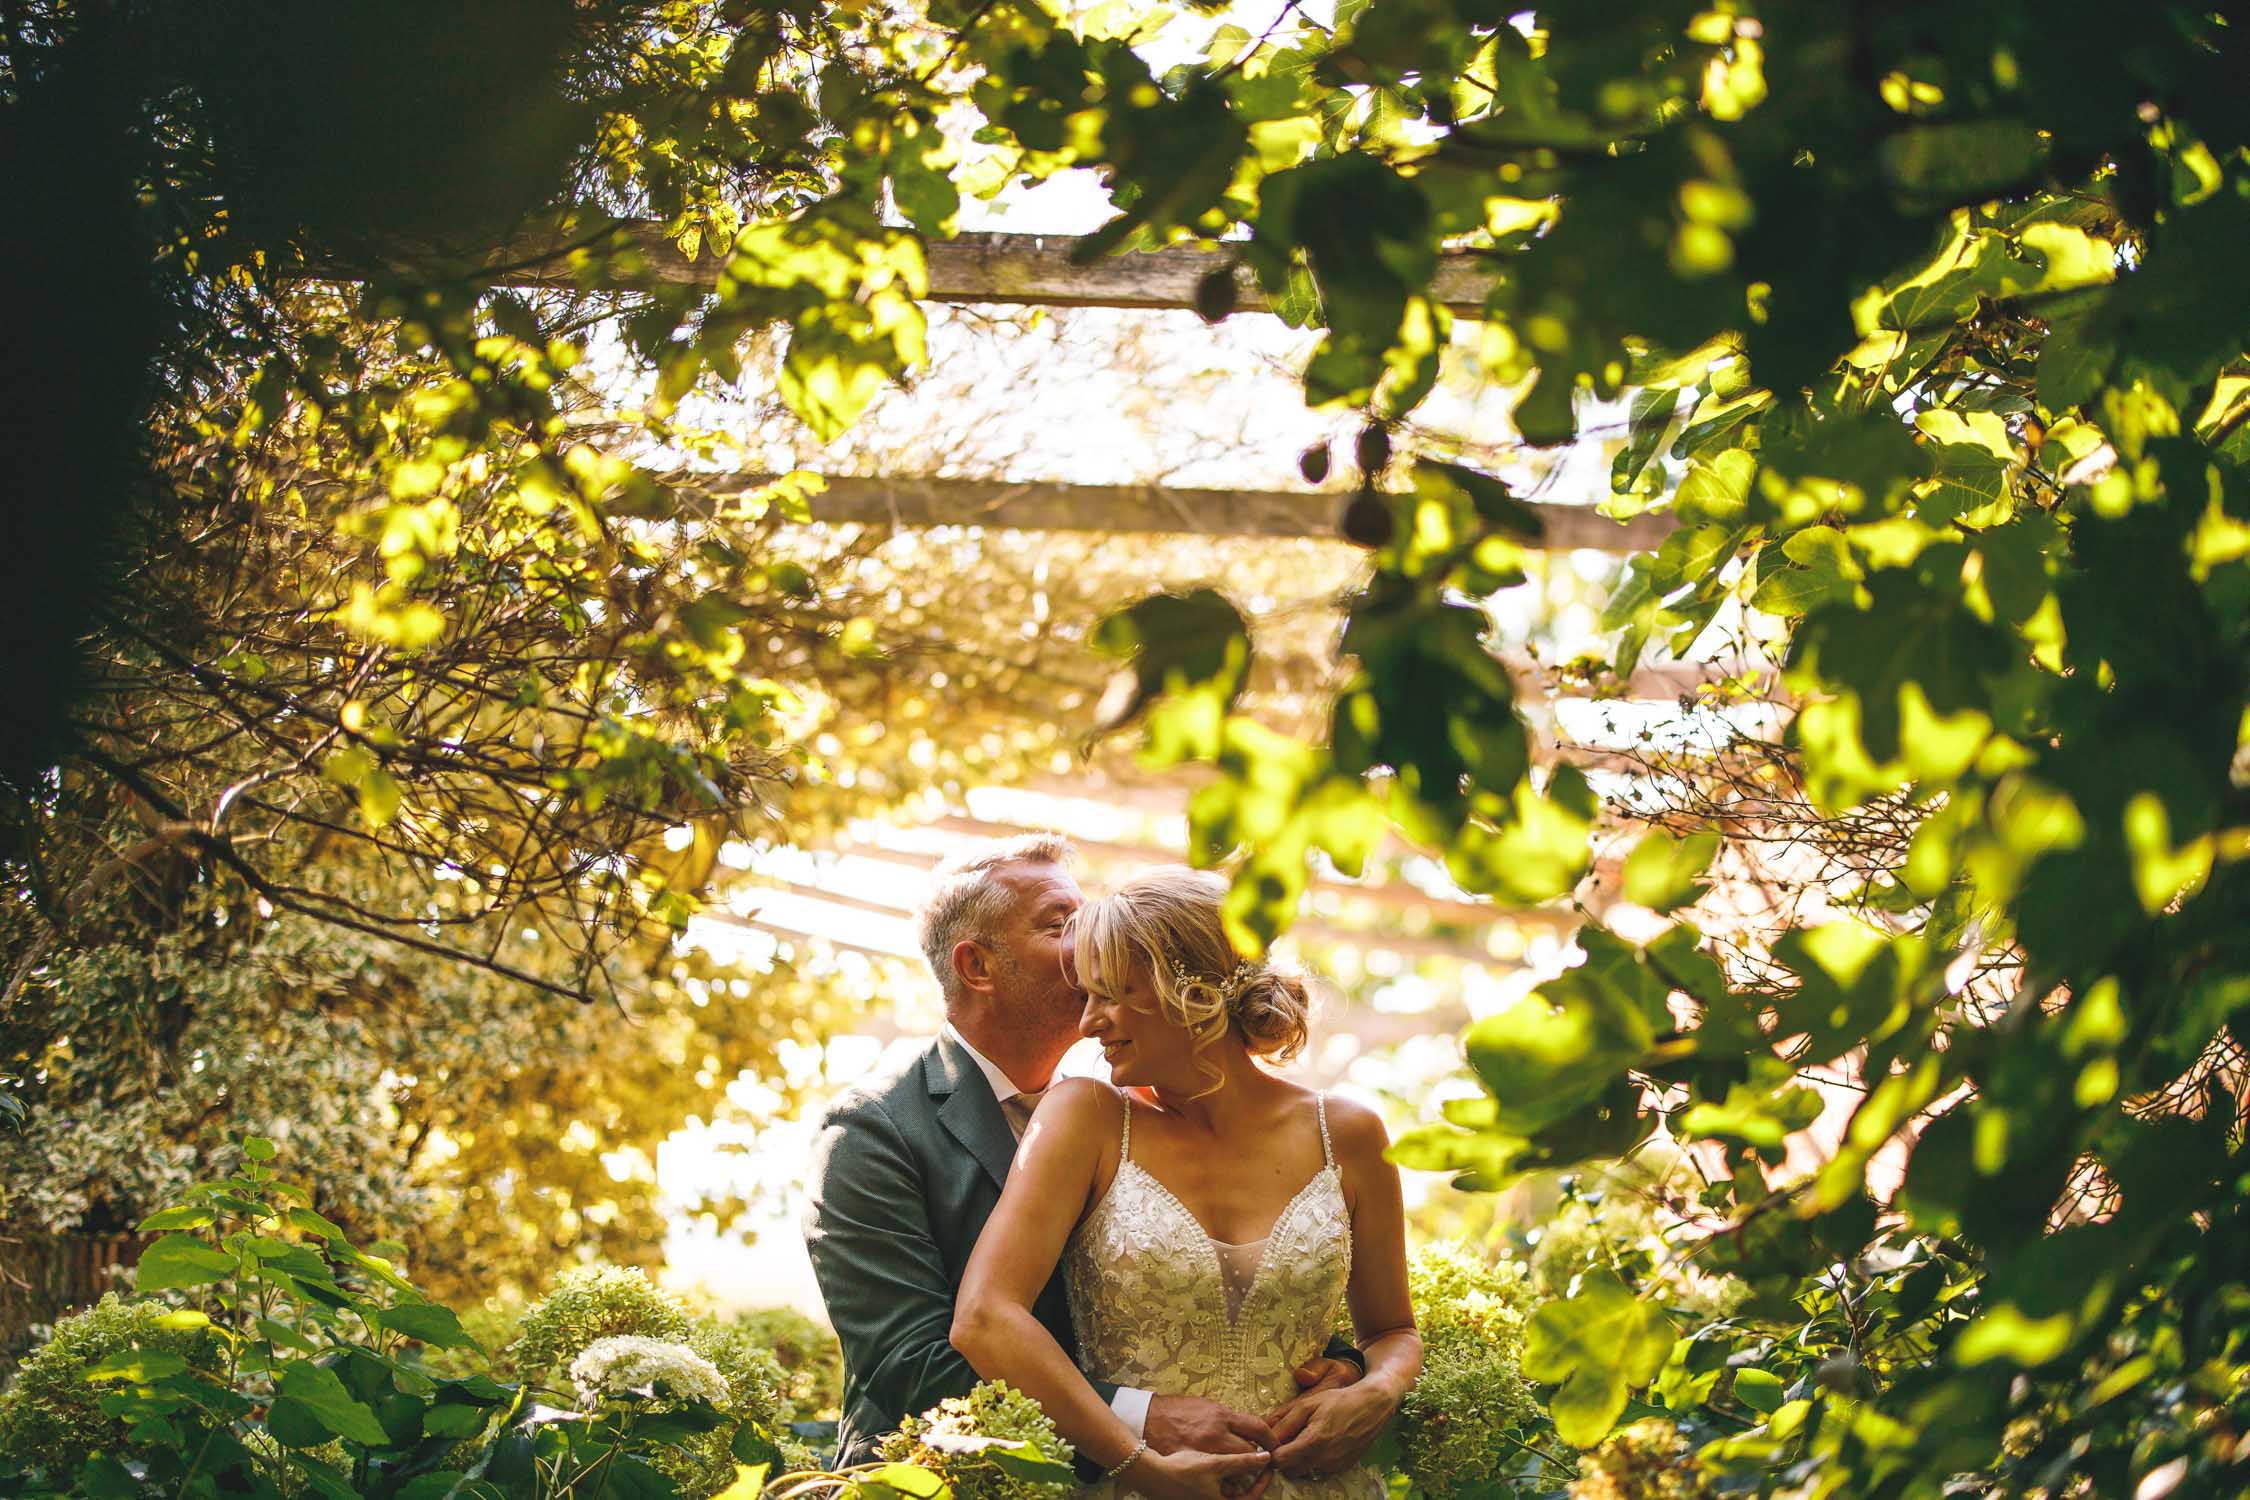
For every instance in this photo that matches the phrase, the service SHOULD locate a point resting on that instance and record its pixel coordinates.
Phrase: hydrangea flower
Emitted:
(1454, 1426)
(957, 1438)
(627, 1364)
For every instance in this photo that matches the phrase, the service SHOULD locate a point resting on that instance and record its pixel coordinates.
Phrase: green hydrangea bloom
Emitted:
(1648, 1460)
(1453, 1425)
(597, 1302)
(50, 1417)
(594, 1302)
(994, 1409)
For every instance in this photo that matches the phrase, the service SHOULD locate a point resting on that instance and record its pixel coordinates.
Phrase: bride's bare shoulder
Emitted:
(1080, 1101)
(1356, 1129)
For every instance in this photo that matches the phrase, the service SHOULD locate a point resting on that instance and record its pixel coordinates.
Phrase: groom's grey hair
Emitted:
(964, 902)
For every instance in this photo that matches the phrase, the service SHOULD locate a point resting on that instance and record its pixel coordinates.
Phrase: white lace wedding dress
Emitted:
(1157, 1303)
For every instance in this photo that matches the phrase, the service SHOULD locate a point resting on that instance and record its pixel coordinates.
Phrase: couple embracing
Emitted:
(1159, 1260)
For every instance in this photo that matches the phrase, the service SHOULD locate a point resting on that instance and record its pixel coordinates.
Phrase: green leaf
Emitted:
(1024, 1463)
(179, 1260)
(432, 1486)
(294, 1425)
(1191, 646)
(315, 1224)
(185, 1216)
(324, 1397)
(909, 1481)
(749, 1483)
(258, 1148)
(1595, 1347)
(426, 1321)
(1758, 1389)
(1556, 1049)
(1493, 501)
(1818, 571)
(631, 1479)
(378, 797)
(1664, 873)
(753, 1444)
(1752, 1115)
(285, 1336)
(139, 1366)
(454, 1419)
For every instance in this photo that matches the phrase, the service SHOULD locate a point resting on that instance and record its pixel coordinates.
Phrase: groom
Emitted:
(907, 1167)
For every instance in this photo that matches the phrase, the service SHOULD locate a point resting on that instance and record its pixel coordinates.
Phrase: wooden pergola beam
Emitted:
(1019, 270)
(1043, 506)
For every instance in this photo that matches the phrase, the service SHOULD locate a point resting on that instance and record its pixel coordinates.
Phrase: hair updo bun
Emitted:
(1273, 1012)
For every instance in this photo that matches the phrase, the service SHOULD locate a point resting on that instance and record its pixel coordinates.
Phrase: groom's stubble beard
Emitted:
(1046, 1008)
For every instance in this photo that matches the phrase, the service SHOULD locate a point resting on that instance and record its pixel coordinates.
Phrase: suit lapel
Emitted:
(968, 1111)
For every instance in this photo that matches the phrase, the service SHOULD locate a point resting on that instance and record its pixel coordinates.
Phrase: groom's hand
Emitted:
(1183, 1424)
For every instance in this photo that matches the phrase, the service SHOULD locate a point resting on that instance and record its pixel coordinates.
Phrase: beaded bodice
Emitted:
(1150, 1295)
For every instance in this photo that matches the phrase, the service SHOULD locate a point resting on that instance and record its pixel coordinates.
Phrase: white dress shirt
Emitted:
(1130, 1403)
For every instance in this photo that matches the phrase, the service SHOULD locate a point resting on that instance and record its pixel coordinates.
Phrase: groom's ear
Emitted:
(973, 967)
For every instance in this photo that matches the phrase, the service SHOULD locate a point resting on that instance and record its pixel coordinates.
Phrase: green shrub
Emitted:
(50, 1417)
(808, 1351)
(1648, 1460)
(598, 1302)
(946, 1441)
(1454, 1427)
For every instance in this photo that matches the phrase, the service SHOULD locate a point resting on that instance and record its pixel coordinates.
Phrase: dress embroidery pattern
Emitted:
(1148, 1297)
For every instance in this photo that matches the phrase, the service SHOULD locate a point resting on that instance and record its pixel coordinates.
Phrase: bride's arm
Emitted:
(1049, 1189)
(1329, 1430)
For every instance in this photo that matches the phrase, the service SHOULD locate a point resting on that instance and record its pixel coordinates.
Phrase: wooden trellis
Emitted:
(1025, 270)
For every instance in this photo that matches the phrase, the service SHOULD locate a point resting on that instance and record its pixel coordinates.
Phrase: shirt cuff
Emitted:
(1131, 1406)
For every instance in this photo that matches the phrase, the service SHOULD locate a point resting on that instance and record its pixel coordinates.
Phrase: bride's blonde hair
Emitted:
(1169, 920)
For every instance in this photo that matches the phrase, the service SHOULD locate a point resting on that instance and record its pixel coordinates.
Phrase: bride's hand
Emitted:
(1200, 1476)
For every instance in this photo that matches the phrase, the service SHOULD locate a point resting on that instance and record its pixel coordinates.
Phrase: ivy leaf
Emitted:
(1595, 1347)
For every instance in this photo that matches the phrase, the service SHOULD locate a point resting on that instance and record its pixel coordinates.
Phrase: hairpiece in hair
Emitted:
(1227, 988)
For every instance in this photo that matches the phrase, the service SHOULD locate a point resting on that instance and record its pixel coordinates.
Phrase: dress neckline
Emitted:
(1212, 1244)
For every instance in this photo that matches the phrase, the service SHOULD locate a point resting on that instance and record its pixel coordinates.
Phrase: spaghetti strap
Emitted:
(1320, 1100)
(1125, 1144)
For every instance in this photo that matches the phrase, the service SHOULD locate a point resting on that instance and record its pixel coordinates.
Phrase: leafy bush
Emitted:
(807, 1350)
(300, 1369)
(597, 1303)
(993, 1444)
(1466, 1423)
(1647, 1460)
(50, 1416)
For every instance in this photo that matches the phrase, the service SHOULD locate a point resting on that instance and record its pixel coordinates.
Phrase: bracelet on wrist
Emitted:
(1128, 1460)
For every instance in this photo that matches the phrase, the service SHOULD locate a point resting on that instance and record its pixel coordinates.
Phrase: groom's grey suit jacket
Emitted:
(905, 1171)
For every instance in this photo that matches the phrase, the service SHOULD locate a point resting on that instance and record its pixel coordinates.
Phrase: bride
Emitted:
(1215, 1217)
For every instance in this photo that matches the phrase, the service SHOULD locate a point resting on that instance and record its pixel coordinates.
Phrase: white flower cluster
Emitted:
(631, 1365)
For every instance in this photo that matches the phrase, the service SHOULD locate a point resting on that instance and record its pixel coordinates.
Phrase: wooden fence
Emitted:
(43, 1276)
